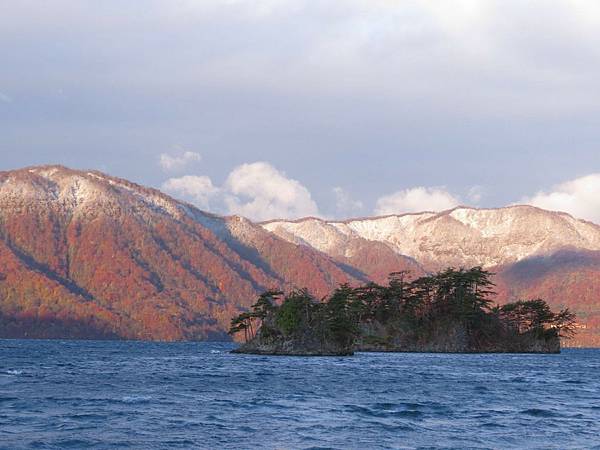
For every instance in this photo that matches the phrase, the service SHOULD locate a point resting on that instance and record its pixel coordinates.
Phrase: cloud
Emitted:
(5, 98)
(345, 205)
(197, 189)
(475, 194)
(175, 163)
(579, 197)
(260, 192)
(257, 191)
(430, 88)
(411, 49)
(416, 200)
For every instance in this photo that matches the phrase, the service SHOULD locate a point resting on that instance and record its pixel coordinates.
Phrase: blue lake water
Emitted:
(78, 394)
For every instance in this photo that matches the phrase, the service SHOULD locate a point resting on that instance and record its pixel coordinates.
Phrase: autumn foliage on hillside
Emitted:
(85, 255)
(115, 265)
(569, 278)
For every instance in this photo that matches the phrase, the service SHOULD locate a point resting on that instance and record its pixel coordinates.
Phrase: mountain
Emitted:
(459, 237)
(535, 253)
(566, 278)
(83, 254)
(374, 258)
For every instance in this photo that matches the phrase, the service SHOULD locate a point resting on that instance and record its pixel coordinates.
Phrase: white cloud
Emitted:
(579, 197)
(473, 53)
(197, 189)
(345, 205)
(475, 194)
(259, 191)
(5, 98)
(329, 75)
(175, 163)
(416, 200)
(430, 52)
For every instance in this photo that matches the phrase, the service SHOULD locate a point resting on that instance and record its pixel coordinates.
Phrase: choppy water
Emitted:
(73, 394)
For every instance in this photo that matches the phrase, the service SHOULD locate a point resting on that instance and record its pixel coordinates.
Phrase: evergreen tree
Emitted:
(415, 308)
(266, 304)
(340, 321)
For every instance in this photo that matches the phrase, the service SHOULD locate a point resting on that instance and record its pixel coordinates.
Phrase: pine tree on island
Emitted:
(450, 311)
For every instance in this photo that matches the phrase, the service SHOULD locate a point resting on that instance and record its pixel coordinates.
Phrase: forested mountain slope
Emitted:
(83, 254)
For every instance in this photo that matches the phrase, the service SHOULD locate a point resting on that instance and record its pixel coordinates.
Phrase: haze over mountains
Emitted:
(83, 254)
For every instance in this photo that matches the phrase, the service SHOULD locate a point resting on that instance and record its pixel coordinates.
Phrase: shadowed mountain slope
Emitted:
(536, 253)
(83, 254)
(567, 278)
(122, 260)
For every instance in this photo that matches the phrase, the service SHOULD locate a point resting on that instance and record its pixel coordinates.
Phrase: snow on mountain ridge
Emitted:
(460, 236)
(82, 192)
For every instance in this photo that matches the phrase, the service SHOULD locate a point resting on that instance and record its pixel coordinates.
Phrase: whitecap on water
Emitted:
(215, 351)
(136, 399)
(14, 372)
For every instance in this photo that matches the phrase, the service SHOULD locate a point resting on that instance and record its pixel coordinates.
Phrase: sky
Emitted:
(290, 108)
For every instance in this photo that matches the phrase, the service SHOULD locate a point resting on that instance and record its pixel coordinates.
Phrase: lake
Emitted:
(98, 394)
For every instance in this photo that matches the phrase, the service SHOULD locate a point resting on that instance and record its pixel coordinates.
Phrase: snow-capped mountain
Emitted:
(84, 254)
(534, 253)
(459, 237)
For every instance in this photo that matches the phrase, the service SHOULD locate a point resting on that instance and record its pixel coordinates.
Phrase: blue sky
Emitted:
(334, 108)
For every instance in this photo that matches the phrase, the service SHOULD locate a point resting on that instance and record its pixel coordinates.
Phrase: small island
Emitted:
(451, 311)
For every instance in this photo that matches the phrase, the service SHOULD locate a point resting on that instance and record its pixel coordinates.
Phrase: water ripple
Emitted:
(66, 394)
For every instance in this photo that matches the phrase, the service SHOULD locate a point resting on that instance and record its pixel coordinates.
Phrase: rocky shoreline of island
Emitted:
(451, 311)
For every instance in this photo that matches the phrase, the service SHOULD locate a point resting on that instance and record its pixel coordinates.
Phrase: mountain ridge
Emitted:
(464, 223)
(149, 260)
(434, 213)
(91, 251)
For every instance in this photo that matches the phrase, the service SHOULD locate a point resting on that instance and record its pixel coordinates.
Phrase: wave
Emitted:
(538, 412)
(184, 396)
(136, 399)
(382, 410)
